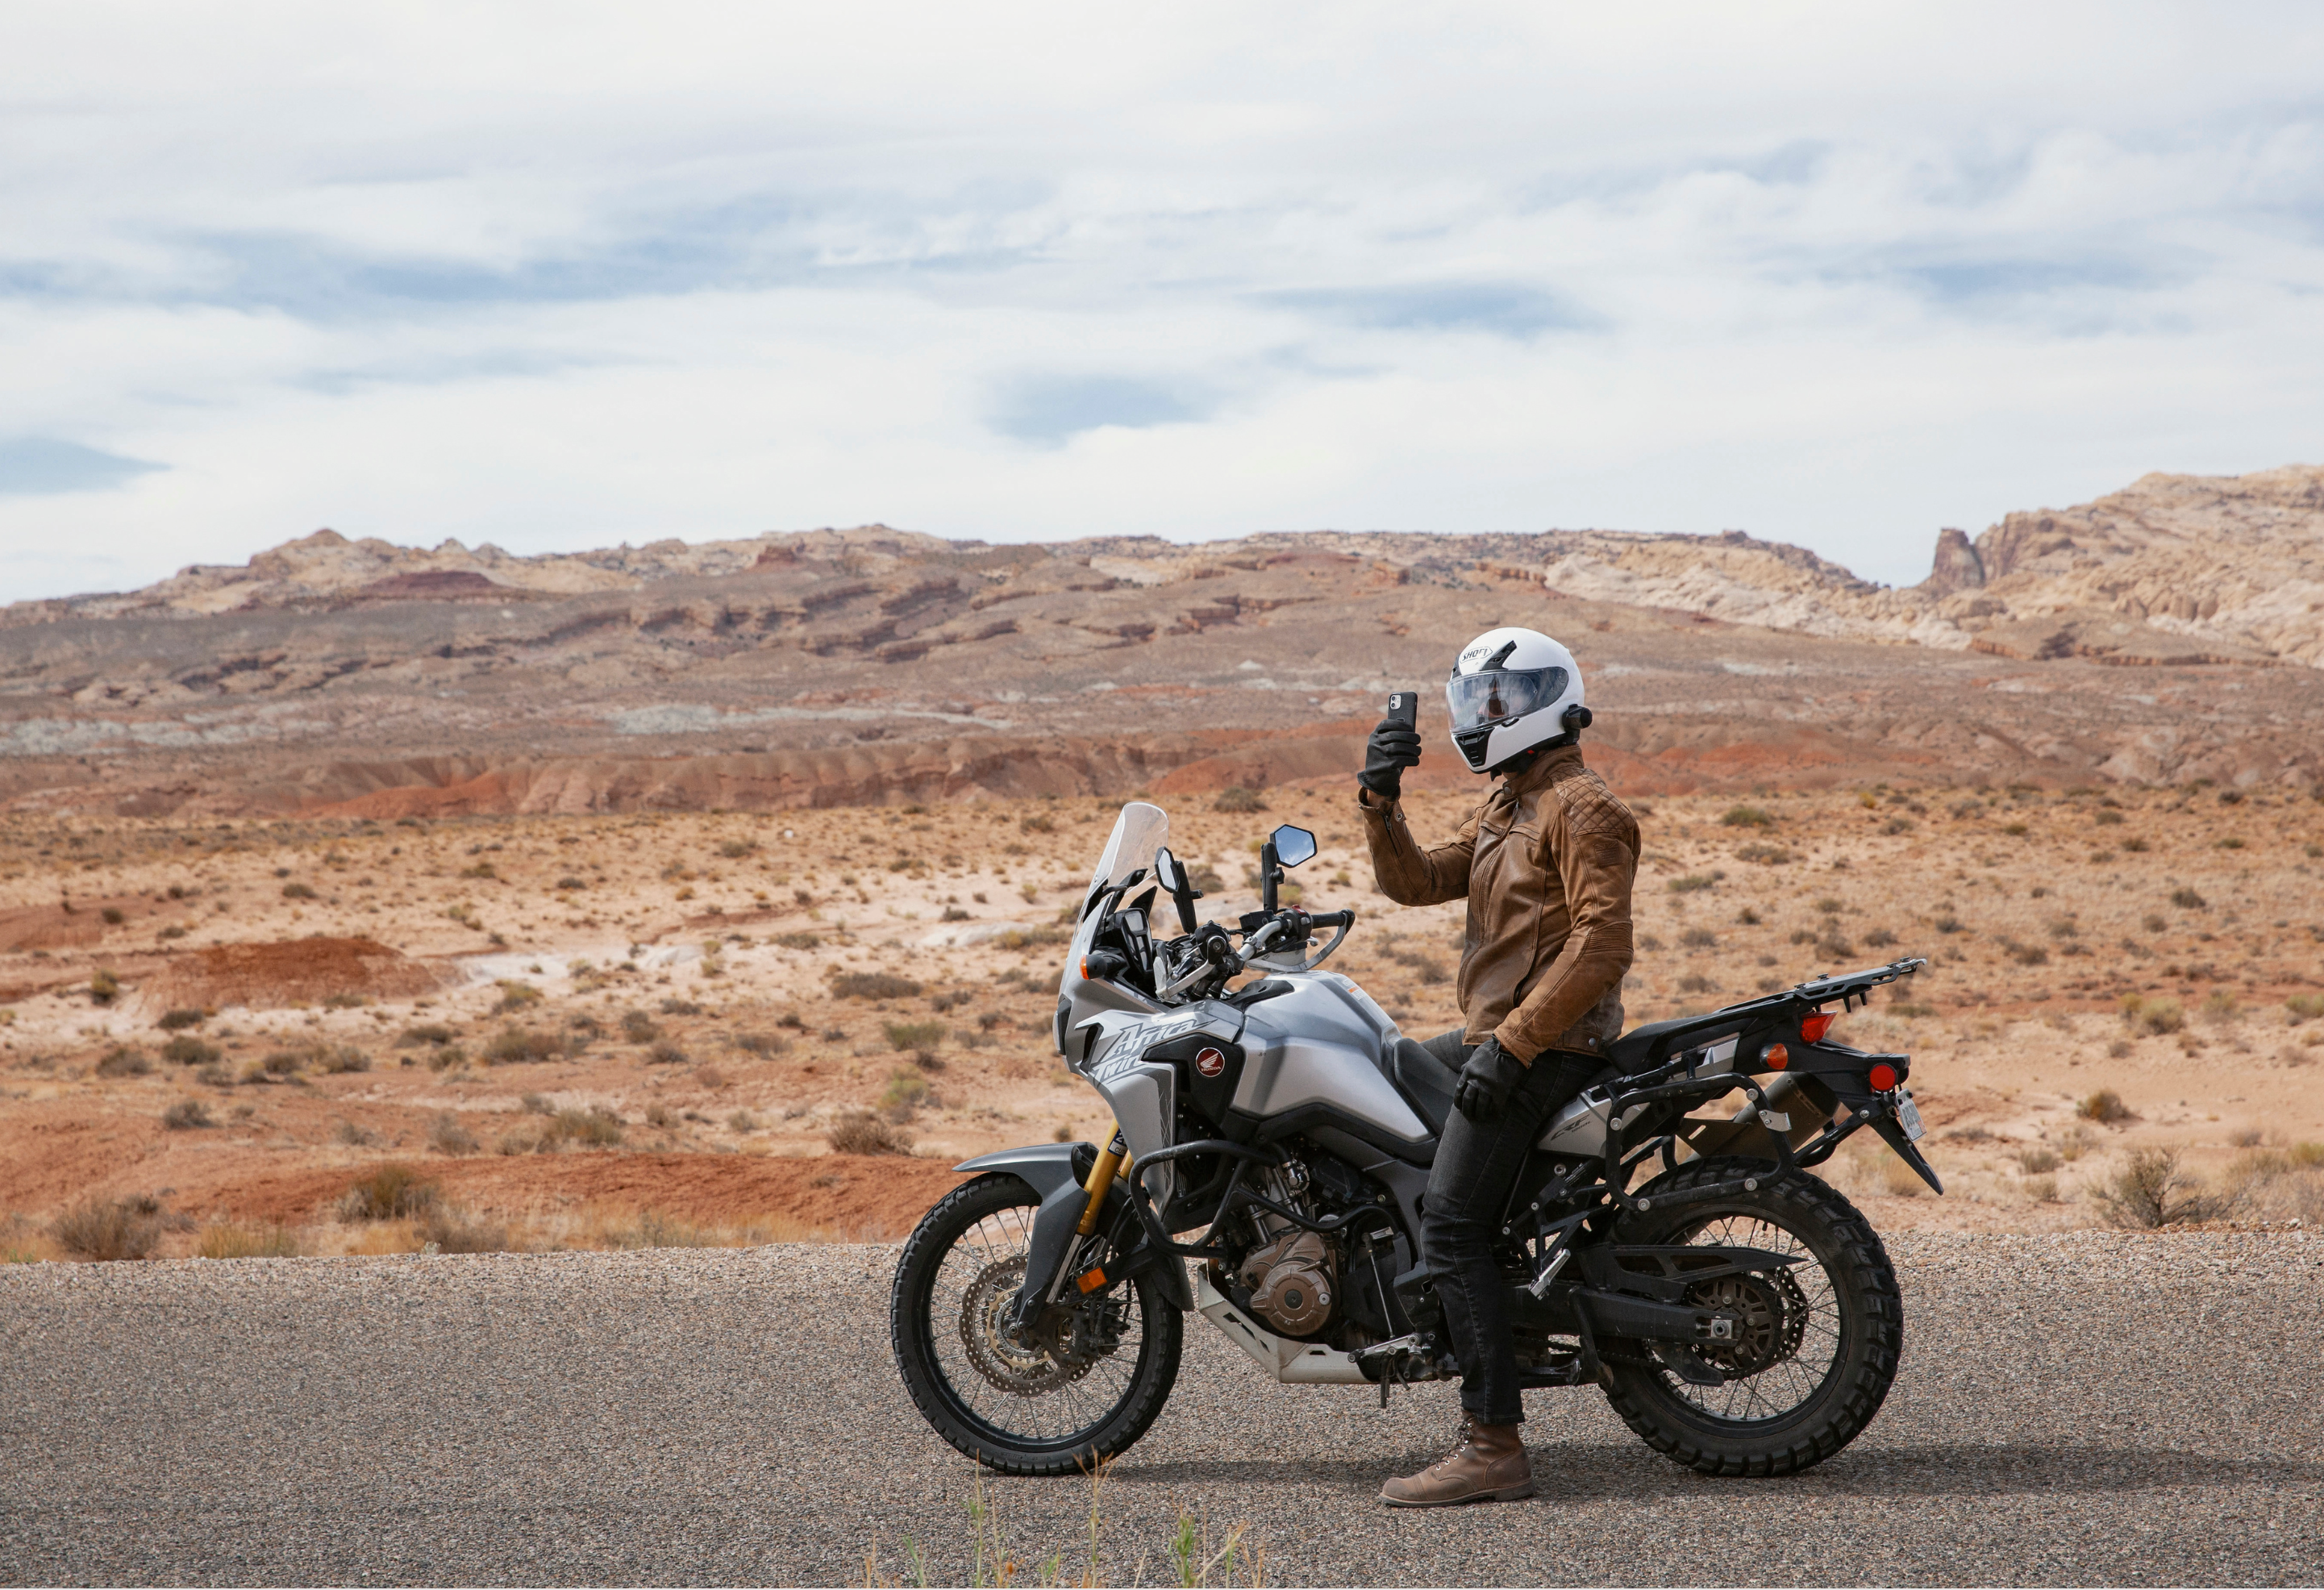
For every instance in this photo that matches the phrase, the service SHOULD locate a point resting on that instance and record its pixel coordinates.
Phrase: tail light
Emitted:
(1775, 1057)
(1813, 1027)
(1883, 1077)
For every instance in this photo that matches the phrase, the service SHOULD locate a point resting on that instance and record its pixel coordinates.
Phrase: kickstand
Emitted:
(1383, 1388)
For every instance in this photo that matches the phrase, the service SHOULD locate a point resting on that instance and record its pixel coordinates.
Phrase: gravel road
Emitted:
(2073, 1409)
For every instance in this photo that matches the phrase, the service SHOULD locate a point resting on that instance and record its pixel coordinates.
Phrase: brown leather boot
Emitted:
(1489, 1464)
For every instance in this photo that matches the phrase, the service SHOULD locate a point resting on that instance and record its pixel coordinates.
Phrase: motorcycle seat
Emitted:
(1633, 1051)
(1425, 1082)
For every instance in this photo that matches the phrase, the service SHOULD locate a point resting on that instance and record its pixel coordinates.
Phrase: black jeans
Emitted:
(1468, 1188)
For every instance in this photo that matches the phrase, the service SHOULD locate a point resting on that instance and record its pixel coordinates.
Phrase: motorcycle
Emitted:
(1740, 1315)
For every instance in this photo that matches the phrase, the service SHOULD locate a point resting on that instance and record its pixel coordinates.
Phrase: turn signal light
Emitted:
(1090, 1279)
(1813, 1027)
(1775, 1057)
(1883, 1078)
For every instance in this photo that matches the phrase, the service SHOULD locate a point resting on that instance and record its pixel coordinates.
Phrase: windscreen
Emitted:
(1477, 699)
(1140, 831)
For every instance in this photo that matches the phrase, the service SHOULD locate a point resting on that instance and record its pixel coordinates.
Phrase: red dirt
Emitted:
(294, 972)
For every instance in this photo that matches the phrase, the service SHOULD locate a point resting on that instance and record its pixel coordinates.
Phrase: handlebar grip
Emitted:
(1332, 918)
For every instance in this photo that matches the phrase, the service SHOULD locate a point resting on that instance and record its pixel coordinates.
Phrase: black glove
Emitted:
(1491, 1076)
(1395, 746)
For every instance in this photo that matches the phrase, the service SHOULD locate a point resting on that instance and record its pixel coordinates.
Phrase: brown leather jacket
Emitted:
(1546, 864)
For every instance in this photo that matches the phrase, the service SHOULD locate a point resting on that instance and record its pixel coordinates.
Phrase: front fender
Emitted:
(1042, 1166)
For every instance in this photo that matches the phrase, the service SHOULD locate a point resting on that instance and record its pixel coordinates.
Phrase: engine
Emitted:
(1290, 1281)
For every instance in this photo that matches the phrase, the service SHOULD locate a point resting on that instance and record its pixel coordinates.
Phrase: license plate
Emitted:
(1908, 1115)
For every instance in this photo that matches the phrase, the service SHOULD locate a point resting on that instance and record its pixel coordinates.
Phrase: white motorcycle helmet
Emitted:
(1512, 690)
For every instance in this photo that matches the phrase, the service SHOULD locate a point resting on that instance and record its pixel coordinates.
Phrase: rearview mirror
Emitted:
(1173, 879)
(1293, 845)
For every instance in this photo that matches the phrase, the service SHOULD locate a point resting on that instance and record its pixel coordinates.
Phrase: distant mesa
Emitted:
(435, 586)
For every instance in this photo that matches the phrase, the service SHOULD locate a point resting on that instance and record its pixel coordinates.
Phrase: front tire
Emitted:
(1832, 1340)
(1052, 1411)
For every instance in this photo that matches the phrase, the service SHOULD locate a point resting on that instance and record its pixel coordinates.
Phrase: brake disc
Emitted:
(1006, 1363)
(1770, 1320)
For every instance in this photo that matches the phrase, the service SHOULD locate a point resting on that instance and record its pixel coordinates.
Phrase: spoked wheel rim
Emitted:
(1790, 1335)
(1056, 1399)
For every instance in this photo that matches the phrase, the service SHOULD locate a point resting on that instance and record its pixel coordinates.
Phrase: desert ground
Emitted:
(370, 1035)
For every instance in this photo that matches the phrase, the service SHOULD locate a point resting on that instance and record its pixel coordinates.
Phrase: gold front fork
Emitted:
(1112, 1160)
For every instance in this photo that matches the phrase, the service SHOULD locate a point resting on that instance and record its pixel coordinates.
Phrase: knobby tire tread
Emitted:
(1868, 1366)
(907, 1320)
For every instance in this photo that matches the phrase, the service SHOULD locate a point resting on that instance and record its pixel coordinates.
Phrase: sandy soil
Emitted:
(605, 1030)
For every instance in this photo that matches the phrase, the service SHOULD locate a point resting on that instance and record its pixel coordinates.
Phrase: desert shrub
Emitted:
(639, 1027)
(1236, 798)
(178, 1021)
(2134, 845)
(2063, 929)
(861, 1132)
(1879, 938)
(106, 1229)
(2220, 1007)
(449, 1136)
(594, 1127)
(2302, 1008)
(123, 1061)
(735, 850)
(947, 1001)
(1037, 824)
(1692, 883)
(2029, 954)
(801, 940)
(2154, 1018)
(742, 1120)
(2151, 1191)
(2108, 819)
(2105, 1107)
(1764, 855)
(1694, 982)
(2038, 1162)
(1748, 817)
(1033, 938)
(185, 1049)
(336, 1058)
(904, 1093)
(2187, 899)
(659, 1115)
(455, 1231)
(345, 1001)
(666, 1053)
(213, 1075)
(571, 882)
(515, 994)
(104, 987)
(389, 1193)
(424, 1033)
(1834, 947)
(228, 1241)
(444, 1057)
(989, 1019)
(2015, 829)
(112, 917)
(672, 1005)
(1699, 938)
(187, 1115)
(1896, 825)
(873, 985)
(518, 1045)
(765, 1045)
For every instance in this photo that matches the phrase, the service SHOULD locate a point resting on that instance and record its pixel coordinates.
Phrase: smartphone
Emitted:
(1404, 706)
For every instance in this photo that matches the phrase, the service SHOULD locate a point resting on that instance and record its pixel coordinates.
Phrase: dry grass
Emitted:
(2151, 1191)
(390, 1193)
(225, 1240)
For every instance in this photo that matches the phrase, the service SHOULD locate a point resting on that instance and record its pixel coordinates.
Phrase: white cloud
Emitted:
(560, 275)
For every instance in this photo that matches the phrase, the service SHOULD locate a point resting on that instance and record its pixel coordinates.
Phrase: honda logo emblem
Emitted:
(1209, 1062)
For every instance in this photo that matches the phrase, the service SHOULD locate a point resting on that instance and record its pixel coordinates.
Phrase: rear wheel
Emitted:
(1095, 1377)
(1816, 1343)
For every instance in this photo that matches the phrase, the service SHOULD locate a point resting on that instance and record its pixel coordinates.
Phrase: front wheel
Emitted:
(1095, 1377)
(1818, 1341)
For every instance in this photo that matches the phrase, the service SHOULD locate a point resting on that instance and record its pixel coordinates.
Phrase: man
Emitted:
(1545, 863)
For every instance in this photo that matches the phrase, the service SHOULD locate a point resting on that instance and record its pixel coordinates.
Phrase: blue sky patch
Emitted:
(43, 467)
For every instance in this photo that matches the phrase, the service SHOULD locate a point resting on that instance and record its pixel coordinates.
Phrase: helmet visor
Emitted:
(1495, 698)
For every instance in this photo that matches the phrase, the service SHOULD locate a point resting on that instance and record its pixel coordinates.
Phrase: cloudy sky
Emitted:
(560, 276)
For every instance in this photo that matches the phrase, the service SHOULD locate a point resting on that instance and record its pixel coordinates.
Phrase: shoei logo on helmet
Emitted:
(1209, 1062)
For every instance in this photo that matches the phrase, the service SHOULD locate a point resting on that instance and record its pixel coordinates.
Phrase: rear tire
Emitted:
(1017, 1411)
(1824, 1384)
